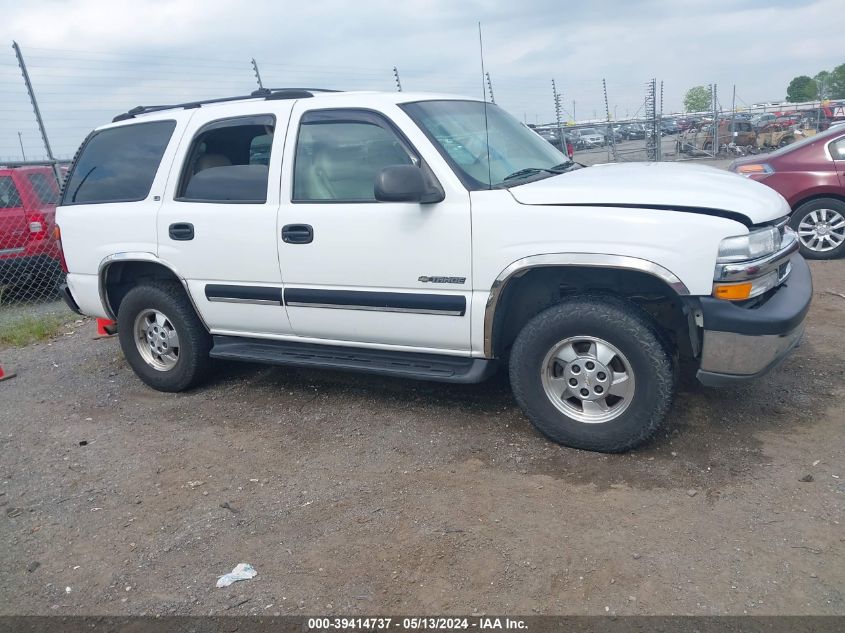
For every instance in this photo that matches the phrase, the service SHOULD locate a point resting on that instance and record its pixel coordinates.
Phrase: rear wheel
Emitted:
(162, 337)
(593, 373)
(820, 225)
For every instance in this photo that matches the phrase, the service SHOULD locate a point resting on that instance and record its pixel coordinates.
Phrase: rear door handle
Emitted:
(181, 231)
(297, 233)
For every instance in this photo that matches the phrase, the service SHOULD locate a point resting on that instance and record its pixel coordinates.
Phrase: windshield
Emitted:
(589, 132)
(457, 129)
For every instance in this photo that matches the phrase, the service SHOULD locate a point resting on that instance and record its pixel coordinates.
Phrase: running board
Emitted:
(437, 367)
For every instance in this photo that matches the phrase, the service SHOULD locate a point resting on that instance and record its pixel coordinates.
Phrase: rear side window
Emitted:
(118, 164)
(9, 196)
(45, 187)
(837, 149)
(228, 161)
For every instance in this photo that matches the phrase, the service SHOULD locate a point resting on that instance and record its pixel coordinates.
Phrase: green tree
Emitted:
(697, 99)
(836, 83)
(802, 88)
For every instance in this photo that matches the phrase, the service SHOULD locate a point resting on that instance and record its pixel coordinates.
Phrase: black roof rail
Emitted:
(267, 93)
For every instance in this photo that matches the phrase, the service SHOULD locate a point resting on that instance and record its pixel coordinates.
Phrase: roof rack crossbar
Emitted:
(266, 93)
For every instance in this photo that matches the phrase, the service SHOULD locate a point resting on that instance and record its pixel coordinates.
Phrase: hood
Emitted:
(670, 186)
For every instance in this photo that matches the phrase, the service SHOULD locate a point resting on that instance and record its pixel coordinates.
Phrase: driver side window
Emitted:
(339, 154)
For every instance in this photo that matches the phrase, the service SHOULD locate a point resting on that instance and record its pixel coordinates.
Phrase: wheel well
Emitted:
(120, 277)
(525, 297)
(817, 197)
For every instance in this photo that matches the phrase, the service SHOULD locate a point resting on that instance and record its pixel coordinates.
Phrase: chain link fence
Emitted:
(30, 257)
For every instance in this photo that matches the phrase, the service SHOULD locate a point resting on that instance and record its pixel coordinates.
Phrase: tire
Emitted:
(638, 351)
(178, 363)
(820, 225)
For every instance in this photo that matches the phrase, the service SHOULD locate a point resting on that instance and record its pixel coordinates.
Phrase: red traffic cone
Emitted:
(105, 327)
(6, 375)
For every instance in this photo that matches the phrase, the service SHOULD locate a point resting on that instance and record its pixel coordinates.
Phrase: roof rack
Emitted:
(269, 94)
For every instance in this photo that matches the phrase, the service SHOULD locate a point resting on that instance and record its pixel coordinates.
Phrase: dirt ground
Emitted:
(362, 495)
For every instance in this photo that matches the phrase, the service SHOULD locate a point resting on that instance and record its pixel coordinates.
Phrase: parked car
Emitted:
(588, 138)
(414, 235)
(760, 120)
(668, 127)
(685, 123)
(693, 140)
(810, 174)
(29, 255)
(634, 131)
(551, 135)
(777, 135)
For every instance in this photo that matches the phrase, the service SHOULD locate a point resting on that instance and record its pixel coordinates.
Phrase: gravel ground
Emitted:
(367, 495)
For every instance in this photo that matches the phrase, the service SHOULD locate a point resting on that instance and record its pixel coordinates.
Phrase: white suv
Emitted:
(430, 237)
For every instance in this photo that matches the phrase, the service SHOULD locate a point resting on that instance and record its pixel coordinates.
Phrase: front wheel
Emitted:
(162, 337)
(593, 373)
(820, 225)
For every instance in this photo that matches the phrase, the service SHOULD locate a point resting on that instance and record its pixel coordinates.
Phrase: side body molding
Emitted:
(140, 256)
(597, 260)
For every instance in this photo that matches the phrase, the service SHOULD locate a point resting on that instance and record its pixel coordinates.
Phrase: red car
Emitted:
(810, 174)
(29, 251)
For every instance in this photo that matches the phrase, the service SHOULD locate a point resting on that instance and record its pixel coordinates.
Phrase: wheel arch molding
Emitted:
(137, 264)
(568, 262)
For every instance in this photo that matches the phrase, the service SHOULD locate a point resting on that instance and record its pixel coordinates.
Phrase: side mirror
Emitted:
(405, 183)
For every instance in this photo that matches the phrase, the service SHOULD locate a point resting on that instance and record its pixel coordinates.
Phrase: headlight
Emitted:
(751, 246)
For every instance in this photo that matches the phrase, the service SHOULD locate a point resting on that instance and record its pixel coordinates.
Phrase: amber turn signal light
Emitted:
(732, 292)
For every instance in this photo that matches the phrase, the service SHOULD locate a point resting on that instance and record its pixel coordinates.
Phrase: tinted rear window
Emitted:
(118, 164)
(45, 187)
(9, 197)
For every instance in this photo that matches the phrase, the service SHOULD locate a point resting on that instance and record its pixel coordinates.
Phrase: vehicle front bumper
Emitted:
(742, 343)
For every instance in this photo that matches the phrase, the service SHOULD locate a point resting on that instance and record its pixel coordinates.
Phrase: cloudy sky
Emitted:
(91, 59)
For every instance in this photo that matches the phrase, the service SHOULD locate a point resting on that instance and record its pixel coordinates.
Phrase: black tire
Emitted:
(168, 298)
(623, 325)
(803, 212)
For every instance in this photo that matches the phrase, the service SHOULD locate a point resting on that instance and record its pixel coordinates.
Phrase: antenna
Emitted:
(257, 74)
(396, 77)
(484, 97)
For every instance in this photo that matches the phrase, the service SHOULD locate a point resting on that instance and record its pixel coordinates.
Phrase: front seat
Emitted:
(207, 161)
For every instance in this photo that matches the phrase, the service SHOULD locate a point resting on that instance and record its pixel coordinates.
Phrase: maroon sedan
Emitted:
(810, 174)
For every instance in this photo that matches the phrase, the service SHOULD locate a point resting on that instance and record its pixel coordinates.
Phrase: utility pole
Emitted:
(396, 77)
(611, 145)
(557, 97)
(715, 147)
(490, 88)
(573, 110)
(659, 126)
(37, 111)
(652, 130)
(733, 115)
(20, 140)
(257, 74)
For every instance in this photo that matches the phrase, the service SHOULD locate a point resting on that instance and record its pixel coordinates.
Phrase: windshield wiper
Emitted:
(530, 171)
